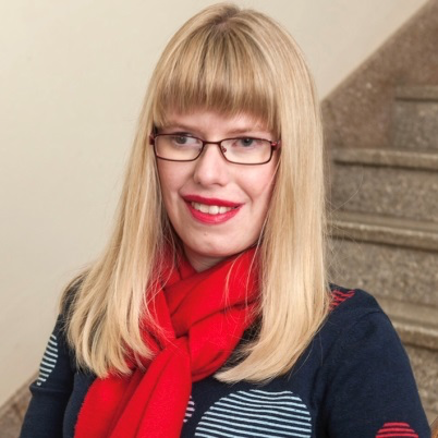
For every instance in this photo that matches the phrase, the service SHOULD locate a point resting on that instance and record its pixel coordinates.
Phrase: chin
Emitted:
(218, 252)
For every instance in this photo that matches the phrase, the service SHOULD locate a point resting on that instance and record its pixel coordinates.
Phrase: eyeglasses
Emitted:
(179, 147)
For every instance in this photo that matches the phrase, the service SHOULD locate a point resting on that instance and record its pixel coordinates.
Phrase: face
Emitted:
(217, 208)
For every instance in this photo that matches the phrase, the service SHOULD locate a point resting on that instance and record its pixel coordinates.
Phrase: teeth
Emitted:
(211, 210)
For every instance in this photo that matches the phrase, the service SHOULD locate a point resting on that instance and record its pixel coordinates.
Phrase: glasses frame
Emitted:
(152, 138)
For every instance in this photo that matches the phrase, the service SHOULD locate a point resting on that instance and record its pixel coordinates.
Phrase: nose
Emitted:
(211, 167)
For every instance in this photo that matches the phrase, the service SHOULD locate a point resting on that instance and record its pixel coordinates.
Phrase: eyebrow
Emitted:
(234, 132)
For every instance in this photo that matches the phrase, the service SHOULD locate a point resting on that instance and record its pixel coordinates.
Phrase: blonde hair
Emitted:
(231, 61)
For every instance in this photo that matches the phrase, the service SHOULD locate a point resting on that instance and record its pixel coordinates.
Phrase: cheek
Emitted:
(170, 179)
(261, 187)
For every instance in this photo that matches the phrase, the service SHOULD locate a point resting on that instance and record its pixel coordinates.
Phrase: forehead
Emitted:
(210, 121)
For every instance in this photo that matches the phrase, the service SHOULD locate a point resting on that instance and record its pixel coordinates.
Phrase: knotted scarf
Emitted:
(203, 316)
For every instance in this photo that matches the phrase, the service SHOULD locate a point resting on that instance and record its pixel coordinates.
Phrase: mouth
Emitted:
(211, 210)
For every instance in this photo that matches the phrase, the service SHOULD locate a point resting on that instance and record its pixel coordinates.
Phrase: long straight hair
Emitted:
(230, 61)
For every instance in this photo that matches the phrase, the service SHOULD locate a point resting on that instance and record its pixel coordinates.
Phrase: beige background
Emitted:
(72, 76)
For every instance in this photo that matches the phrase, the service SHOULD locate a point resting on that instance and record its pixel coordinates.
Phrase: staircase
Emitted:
(384, 227)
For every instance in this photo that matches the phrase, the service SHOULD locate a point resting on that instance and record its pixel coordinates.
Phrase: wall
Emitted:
(72, 76)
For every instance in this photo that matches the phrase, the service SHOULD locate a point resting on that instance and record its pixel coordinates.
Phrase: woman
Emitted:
(210, 314)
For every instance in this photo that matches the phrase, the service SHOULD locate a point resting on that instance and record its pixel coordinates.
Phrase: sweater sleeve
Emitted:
(51, 390)
(371, 390)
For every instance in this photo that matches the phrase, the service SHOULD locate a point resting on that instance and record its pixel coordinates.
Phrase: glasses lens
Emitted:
(247, 150)
(241, 150)
(177, 147)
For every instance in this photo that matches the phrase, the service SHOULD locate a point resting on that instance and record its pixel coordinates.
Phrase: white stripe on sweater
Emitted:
(49, 360)
(256, 413)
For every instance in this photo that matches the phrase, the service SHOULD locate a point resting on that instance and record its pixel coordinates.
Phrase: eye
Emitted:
(183, 139)
(249, 143)
(246, 141)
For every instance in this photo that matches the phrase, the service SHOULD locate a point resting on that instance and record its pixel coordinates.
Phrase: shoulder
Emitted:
(349, 305)
(358, 334)
(354, 315)
(366, 373)
(352, 300)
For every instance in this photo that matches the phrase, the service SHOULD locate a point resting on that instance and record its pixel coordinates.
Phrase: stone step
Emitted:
(417, 327)
(393, 259)
(417, 160)
(416, 93)
(399, 232)
(415, 117)
(385, 182)
(13, 411)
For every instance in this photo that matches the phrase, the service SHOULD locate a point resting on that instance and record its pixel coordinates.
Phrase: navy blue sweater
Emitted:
(354, 380)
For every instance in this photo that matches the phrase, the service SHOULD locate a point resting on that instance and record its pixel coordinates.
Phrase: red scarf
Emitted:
(202, 327)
